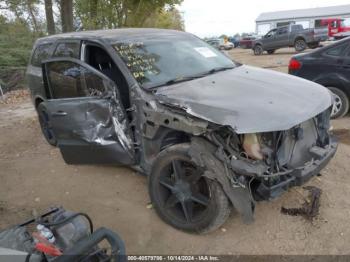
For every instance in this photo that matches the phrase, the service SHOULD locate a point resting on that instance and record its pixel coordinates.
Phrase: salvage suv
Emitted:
(209, 133)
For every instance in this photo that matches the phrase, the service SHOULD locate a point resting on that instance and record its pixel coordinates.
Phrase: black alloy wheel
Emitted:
(300, 45)
(182, 196)
(341, 103)
(258, 50)
(45, 125)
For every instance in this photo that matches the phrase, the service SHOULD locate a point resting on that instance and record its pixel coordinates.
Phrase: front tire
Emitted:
(300, 45)
(182, 196)
(341, 103)
(45, 125)
(258, 50)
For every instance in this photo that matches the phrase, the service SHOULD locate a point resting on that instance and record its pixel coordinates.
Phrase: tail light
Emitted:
(294, 64)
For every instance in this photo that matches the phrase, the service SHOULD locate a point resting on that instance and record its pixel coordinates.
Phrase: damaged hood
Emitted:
(249, 99)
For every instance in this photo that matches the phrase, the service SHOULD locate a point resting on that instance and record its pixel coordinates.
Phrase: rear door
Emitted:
(346, 66)
(34, 72)
(85, 114)
(335, 59)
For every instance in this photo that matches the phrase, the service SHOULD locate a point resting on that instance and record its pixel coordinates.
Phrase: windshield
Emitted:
(156, 62)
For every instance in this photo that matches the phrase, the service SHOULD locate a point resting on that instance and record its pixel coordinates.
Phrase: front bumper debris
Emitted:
(298, 176)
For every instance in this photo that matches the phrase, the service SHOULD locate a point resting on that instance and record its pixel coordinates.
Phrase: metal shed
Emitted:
(306, 17)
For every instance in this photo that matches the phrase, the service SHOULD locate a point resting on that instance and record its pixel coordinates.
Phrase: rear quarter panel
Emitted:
(321, 71)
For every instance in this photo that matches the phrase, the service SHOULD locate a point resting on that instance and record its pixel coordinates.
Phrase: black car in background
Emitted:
(330, 67)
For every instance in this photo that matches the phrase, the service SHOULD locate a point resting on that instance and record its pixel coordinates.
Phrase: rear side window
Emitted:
(41, 53)
(296, 28)
(336, 51)
(67, 80)
(334, 24)
(319, 23)
(67, 50)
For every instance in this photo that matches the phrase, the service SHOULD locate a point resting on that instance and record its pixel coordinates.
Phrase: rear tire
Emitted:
(300, 45)
(176, 184)
(258, 50)
(45, 125)
(341, 103)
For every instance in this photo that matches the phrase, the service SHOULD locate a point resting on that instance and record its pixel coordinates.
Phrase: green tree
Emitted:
(16, 39)
(105, 14)
(166, 18)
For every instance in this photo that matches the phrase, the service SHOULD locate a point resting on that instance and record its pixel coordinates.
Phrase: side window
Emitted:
(296, 28)
(94, 84)
(336, 51)
(67, 80)
(271, 33)
(319, 23)
(67, 50)
(334, 24)
(41, 53)
(282, 31)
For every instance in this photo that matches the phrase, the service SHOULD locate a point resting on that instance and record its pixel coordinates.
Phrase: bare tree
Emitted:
(67, 15)
(50, 23)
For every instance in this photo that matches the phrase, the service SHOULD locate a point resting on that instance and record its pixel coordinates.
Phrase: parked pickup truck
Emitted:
(289, 36)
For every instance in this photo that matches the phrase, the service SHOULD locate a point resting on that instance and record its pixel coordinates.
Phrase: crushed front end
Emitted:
(270, 163)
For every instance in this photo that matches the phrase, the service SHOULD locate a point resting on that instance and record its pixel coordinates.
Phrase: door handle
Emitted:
(59, 113)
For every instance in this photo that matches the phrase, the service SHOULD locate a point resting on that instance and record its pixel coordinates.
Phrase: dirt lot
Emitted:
(34, 176)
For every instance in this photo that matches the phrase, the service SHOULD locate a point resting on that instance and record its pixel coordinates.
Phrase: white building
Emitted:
(306, 17)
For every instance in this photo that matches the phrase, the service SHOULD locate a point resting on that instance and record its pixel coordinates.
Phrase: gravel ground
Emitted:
(34, 176)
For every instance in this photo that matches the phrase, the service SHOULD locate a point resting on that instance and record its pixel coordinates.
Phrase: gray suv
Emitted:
(209, 133)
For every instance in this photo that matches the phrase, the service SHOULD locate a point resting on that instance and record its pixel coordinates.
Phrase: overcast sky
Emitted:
(216, 17)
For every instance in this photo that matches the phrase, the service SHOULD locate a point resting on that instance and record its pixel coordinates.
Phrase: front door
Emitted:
(85, 114)
(270, 40)
(282, 37)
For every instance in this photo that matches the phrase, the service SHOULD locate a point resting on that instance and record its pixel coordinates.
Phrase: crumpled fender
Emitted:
(202, 153)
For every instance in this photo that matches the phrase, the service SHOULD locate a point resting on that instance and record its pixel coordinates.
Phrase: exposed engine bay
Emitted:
(274, 161)
(60, 235)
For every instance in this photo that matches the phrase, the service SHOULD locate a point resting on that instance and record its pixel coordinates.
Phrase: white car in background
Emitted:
(221, 44)
(226, 45)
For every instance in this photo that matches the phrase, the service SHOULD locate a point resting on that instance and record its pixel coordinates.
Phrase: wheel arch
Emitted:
(340, 87)
(299, 37)
(173, 137)
(37, 101)
(336, 81)
(258, 44)
(163, 139)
